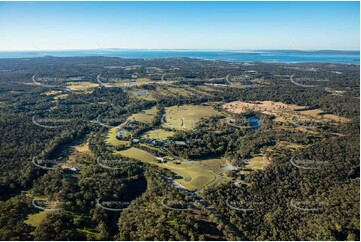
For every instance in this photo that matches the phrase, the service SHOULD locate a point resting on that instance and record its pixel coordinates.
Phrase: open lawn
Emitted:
(257, 163)
(81, 86)
(111, 140)
(145, 116)
(137, 154)
(61, 96)
(186, 116)
(215, 164)
(193, 176)
(206, 88)
(156, 149)
(140, 93)
(179, 91)
(158, 134)
(285, 113)
(37, 218)
(196, 91)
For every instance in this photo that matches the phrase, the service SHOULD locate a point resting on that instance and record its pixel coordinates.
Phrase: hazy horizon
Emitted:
(180, 49)
(48, 26)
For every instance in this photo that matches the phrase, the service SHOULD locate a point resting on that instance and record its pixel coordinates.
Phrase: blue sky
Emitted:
(179, 25)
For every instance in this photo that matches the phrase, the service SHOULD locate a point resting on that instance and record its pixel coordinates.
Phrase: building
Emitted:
(180, 143)
(135, 141)
(73, 169)
(119, 134)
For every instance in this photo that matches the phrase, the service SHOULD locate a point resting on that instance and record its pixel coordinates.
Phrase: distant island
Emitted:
(273, 56)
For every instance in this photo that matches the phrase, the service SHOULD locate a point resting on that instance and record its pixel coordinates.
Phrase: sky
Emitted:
(180, 25)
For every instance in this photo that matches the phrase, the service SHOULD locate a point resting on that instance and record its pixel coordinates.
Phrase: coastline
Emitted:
(251, 56)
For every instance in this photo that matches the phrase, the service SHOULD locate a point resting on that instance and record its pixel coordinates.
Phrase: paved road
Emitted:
(196, 198)
(227, 79)
(301, 85)
(217, 176)
(41, 84)
(163, 78)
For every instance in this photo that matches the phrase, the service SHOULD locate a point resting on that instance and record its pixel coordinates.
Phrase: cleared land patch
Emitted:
(191, 175)
(140, 93)
(112, 140)
(37, 218)
(186, 116)
(81, 86)
(158, 134)
(137, 154)
(257, 163)
(283, 112)
(145, 116)
(215, 164)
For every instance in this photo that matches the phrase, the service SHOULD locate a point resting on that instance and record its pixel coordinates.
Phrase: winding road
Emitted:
(301, 85)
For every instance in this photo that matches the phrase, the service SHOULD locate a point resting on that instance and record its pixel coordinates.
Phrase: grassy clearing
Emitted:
(215, 164)
(149, 95)
(52, 93)
(186, 116)
(111, 140)
(152, 148)
(194, 176)
(196, 91)
(286, 113)
(206, 88)
(86, 231)
(78, 152)
(145, 116)
(158, 134)
(179, 91)
(191, 175)
(138, 82)
(137, 154)
(257, 163)
(37, 218)
(61, 96)
(142, 81)
(81, 86)
(288, 145)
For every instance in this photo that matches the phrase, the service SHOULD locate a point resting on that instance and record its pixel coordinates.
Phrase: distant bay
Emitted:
(275, 56)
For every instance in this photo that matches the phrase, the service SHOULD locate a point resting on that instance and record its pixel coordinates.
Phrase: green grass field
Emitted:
(37, 218)
(149, 96)
(192, 176)
(187, 116)
(257, 163)
(158, 134)
(178, 91)
(81, 86)
(215, 164)
(153, 148)
(137, 154)
(145, 116)
(111, 140)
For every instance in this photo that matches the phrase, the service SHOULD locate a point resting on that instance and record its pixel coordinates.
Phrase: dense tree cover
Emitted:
(214, 137)
(77, 195)
(12, 216)
(333, 189)
(57, 226)
(148, 219)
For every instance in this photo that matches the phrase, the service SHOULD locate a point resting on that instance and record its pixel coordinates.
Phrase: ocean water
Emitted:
(281, 56)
